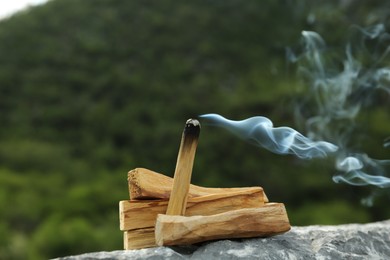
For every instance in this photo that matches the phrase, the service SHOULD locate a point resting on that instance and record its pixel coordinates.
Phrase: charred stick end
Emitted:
(189, 140)
(185, 161)
(192, 128)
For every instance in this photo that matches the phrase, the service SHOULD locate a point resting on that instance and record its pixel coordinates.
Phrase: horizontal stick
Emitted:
(139, 238)
(147, 184)
(137, 214)
(271, 219)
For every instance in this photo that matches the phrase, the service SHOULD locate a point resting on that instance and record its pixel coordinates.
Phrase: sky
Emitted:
(8, 7)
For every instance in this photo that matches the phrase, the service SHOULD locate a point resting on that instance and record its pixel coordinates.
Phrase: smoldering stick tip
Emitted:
(192, 127)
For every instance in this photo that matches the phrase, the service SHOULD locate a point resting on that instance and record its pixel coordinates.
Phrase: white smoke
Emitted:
(260, 131)
(341, 95)
(338, 95)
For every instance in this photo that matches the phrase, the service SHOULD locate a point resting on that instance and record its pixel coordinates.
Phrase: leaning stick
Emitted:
(185, 161)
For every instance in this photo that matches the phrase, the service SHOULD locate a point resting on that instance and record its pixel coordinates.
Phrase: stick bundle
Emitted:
(166, 211)
(138, 216)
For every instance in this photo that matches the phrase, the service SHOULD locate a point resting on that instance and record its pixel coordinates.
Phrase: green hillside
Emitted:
(91, 89)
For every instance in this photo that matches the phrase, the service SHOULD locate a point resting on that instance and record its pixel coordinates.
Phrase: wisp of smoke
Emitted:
(281, 140)
(355, 168)
(339, 98)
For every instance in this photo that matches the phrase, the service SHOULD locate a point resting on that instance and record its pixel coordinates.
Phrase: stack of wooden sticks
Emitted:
(164, 211)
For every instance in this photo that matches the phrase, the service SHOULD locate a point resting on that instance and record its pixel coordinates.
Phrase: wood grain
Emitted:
(139, 238)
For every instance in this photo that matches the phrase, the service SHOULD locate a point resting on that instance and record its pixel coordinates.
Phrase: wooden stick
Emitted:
(185, 161)
(143, 213)
(139, 238)
(271, 219)
(147, 184)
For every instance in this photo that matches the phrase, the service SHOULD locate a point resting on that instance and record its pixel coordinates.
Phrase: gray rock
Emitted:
(352, 241)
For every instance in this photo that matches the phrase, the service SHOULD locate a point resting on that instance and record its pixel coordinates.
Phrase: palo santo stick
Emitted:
(139, 238)
(143, 213)
(147, 184)
(271, 219)
(185, 161)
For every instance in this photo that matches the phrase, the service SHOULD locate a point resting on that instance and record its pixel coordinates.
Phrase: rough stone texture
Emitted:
(352, 241)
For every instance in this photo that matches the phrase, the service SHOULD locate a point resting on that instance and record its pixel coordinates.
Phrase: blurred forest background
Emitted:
(91, 89)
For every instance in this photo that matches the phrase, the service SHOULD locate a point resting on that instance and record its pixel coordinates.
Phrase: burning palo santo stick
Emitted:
(147, 184)
(185, 161)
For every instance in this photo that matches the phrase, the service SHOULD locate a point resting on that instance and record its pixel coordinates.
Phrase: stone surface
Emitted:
(352, 241)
